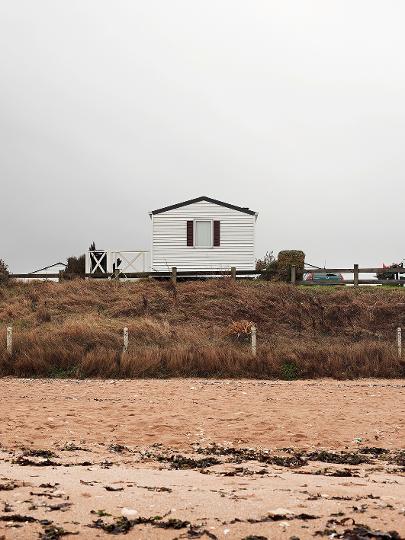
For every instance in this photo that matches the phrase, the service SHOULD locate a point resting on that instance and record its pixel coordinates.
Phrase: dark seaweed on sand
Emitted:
(182, 462)
(341, 458)
(27, 462)
(254, 537)
(8, 487)
(71, 447)
(360, 532)
(199, 533)
(373, 450)
(122, 525)
(40, 453)
(53, 532)
(338, 473)
(248, 454)
(117, 448)
(18, 518)
(275, 517)
(297, 458)
(399, 458)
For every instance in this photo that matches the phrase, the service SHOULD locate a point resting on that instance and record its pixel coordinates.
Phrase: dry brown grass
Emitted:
(75, 329)
(239, 330)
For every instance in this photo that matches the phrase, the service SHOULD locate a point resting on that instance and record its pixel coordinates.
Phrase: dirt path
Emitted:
(211, 459)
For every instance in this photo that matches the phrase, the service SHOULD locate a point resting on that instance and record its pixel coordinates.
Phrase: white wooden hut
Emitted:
(203, 234)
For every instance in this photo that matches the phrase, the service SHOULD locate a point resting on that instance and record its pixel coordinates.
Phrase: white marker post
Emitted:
(125, 349)
(10, 340)
(253, 335)
(399, 341)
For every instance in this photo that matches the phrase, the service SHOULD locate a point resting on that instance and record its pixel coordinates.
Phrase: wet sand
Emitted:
(172, 449)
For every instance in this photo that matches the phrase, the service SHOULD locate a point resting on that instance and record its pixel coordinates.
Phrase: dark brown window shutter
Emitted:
(217, 233)
(190, 233)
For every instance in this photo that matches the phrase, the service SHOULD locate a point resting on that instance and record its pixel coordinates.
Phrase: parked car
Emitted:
(323, 277)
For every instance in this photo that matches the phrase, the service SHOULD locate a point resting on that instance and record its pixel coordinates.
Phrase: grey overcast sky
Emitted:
(295, 108)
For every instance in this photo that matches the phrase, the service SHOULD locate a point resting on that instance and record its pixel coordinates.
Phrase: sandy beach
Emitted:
(190, 458)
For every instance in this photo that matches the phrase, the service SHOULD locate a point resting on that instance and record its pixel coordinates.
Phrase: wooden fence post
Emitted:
(233, 272)
(10, 340)
(399, 341)
(356, 275)
(61, 275)
(253, 335)
(174, 275)
(125, 348)
(293, 274)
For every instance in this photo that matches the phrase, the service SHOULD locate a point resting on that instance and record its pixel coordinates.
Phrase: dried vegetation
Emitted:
(75, 329)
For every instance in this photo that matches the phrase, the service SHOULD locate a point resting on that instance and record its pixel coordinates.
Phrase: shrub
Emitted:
(280, 269)
(289, 370)
(76, 266)
(267, 266)
(286, 259)
(4, 273)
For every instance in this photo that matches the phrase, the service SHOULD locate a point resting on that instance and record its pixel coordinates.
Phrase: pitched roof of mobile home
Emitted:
(245, 210)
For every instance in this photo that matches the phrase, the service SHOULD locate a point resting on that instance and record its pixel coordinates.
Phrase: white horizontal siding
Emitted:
(169, 244)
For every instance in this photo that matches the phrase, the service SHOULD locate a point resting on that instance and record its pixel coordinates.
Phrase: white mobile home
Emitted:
(203, 234)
